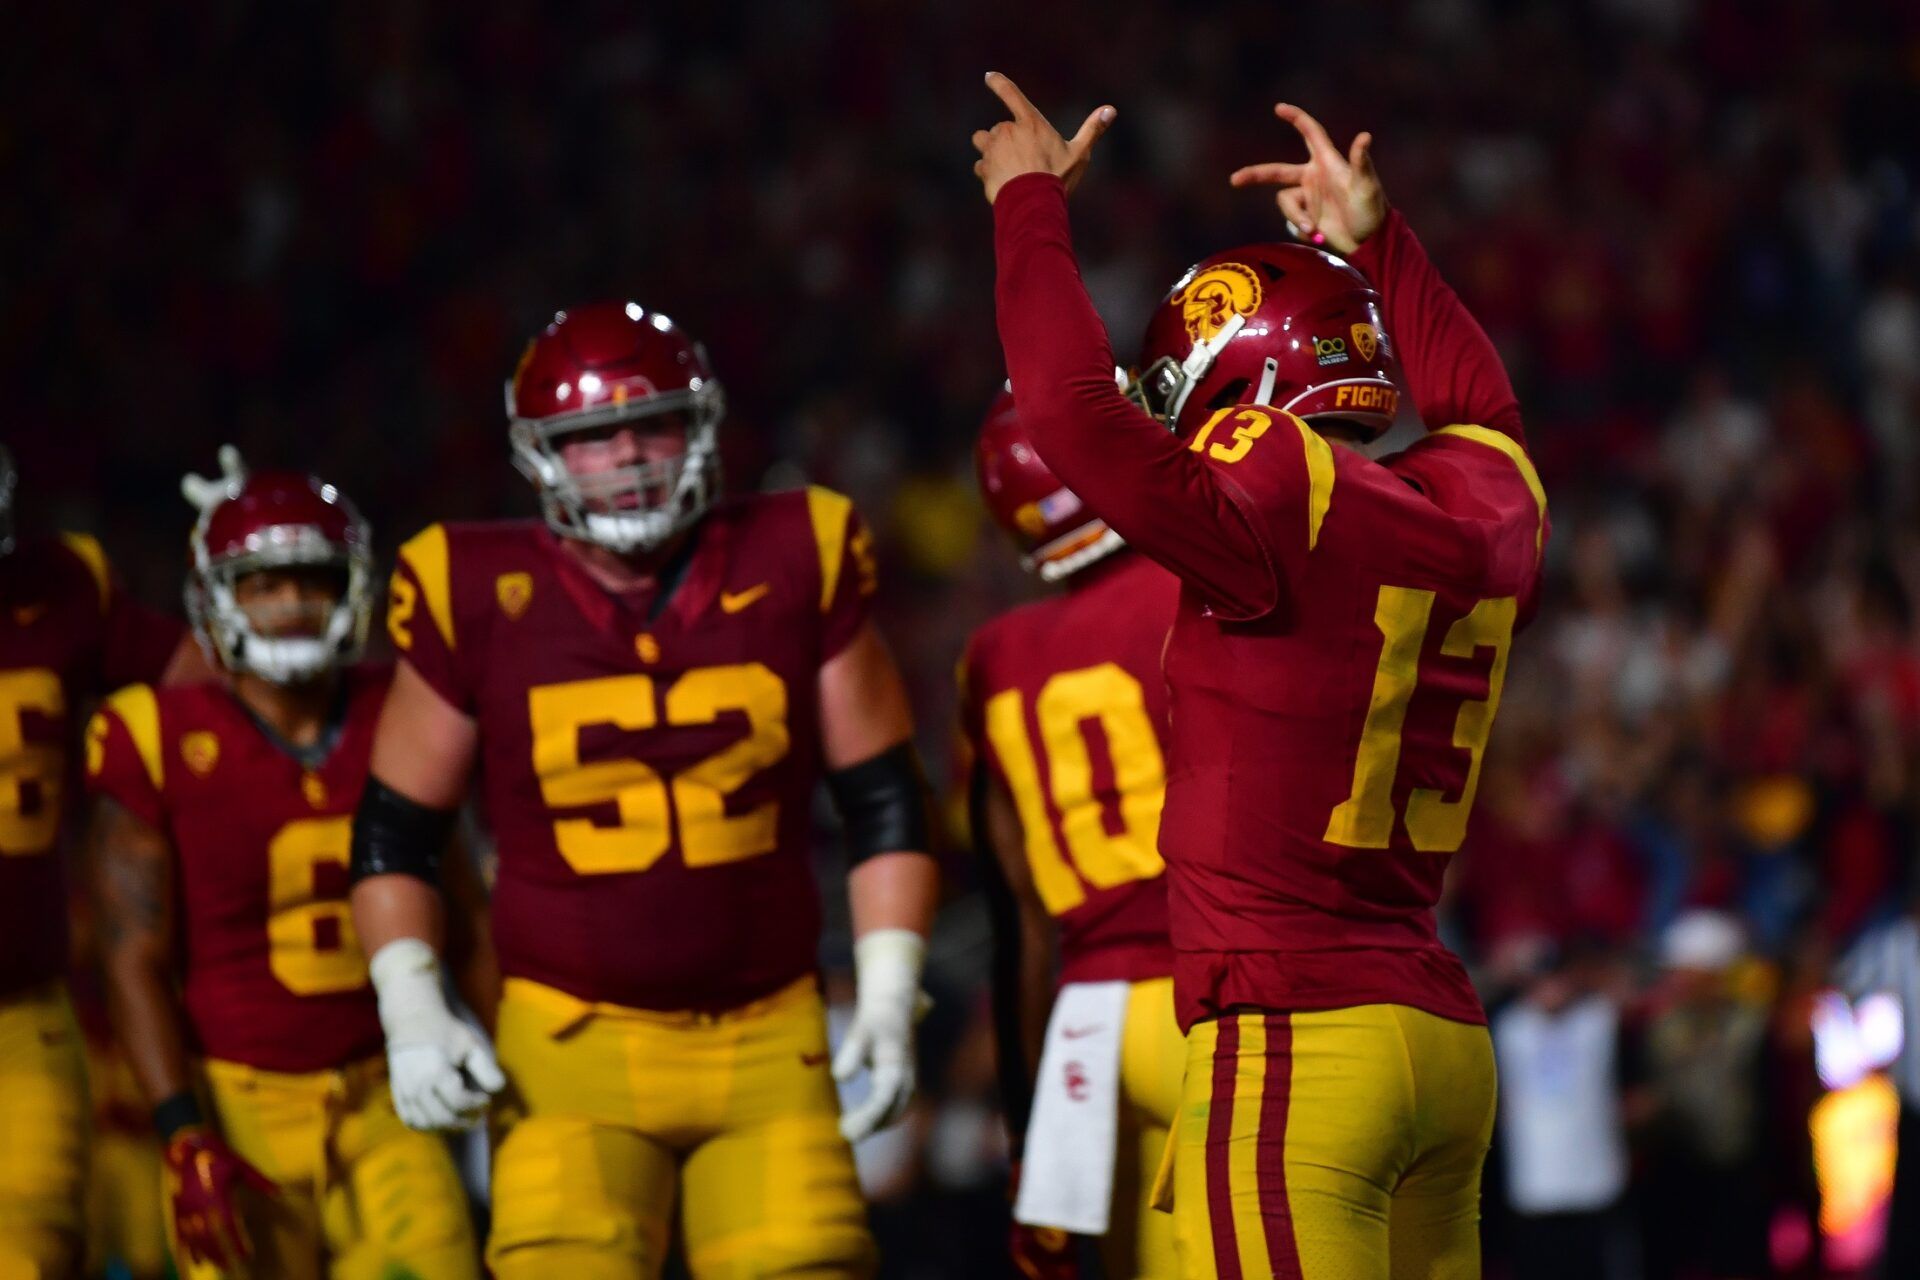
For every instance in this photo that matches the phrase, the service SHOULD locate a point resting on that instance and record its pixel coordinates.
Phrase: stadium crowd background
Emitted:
(323, 231)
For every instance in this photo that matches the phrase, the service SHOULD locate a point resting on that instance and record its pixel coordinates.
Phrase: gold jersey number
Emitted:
(651, 807)
(1108, 698)
(312, 947)
(1364, 820)
(30, 772)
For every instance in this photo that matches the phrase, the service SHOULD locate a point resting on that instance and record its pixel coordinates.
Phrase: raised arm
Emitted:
(1161, 497)
(1450, 365)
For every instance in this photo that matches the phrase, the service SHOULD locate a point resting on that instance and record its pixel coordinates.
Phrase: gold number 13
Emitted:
(1364, 820)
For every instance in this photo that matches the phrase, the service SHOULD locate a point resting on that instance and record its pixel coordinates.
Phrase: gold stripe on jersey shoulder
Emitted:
(1518, 456)
(91, 554)
(426, 554)
(830, 513)
(1320, 474)
(139, 710)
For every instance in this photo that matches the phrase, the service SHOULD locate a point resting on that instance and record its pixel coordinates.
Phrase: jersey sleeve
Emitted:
(1451, 367)
(124, 760)
(849, 574)
(1147, 484)
(420, 616)
(137, 643)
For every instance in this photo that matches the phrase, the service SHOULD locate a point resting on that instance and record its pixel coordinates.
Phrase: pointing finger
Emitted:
(1318, 143)
(1261, 174)
(1360, 156)
(1009, 93)
(1090, 130)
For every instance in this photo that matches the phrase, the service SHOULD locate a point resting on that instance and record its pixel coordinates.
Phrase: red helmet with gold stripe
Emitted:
(1270, 324)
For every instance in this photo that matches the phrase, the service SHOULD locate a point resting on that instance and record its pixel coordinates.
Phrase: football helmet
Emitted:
(9, 481)
(1055, 532)
(598, 366)
(1271, 324)
(275, 520)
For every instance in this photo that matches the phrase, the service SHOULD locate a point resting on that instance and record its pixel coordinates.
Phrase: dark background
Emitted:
(323, 231)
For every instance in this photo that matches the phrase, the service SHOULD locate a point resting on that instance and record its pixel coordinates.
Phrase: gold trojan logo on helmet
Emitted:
(1216, 295)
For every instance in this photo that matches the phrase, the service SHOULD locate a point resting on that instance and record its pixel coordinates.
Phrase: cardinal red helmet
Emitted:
(593, 368)
(278, 520)
(1271, 324)
(1056, 533)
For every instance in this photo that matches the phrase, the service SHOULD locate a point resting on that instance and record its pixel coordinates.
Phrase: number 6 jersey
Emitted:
(272, 971)
(649, 778)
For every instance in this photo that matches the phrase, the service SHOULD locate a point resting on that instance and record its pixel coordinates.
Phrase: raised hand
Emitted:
(1029, 144)
(1327, 197)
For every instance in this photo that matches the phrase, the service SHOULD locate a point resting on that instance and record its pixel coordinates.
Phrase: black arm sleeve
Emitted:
(883, 802)
(1016, 1089)
(395, 835)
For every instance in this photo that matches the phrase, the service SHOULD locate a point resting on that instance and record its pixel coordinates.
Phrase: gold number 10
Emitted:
(1364, 820)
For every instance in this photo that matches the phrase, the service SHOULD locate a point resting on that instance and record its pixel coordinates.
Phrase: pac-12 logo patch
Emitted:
(201, 750)
(514, 591)
(1366, 339)
(1216, 295)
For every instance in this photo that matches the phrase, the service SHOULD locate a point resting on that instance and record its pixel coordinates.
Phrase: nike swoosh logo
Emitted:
(812, 1059)
(735, 601)
(27, 614)
(1074, 1033)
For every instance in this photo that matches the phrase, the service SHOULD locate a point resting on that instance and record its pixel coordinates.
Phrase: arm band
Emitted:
(177, 1112)
(883, 802)
(392, 834)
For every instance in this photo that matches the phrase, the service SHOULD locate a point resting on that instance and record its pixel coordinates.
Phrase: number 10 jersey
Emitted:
(649, 778)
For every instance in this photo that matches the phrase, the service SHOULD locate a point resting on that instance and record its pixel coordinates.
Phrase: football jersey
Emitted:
(68, 633)
(648, 776)
(1336, 661)
(1064, 703)
(271, 970)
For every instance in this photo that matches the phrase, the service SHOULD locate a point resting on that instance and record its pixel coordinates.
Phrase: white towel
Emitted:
(1066, 1177)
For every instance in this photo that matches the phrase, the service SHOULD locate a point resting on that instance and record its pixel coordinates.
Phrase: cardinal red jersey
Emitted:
(1064, 702)
(648, 773)
(1337, 658)
(271, 971)
(68, 633)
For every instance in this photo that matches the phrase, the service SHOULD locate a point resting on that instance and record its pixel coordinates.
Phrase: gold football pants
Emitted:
(1139, 1240)
(1340, 1144)
(44, 1112)
(612, 1113)
(362, 1197)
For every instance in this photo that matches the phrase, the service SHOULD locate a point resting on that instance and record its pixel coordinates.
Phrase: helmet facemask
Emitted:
(227, 631)
(1163, 387)
(637, 507)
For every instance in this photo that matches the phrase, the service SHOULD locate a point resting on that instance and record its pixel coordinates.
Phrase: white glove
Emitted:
(886, 966)
(442, 1072)
(207, 491)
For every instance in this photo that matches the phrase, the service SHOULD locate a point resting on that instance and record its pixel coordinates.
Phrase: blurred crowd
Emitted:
(323, 231)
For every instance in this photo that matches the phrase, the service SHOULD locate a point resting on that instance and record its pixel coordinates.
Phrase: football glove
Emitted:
(206, 1177)
(441, 1071)
(887, 998)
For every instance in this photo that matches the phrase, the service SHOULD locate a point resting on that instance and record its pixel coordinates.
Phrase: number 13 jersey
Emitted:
(649, 778)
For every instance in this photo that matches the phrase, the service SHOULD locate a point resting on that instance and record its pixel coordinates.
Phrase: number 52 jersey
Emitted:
(649, 780)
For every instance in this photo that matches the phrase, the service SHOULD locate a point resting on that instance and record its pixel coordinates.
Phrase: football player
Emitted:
(68, 633)
(652, 682)
(1064, 710)
(1334, 670)
(219, 864)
